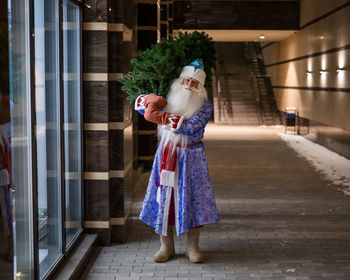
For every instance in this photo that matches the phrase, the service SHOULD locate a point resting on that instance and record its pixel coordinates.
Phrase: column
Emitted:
(108, 29)
(148, 33)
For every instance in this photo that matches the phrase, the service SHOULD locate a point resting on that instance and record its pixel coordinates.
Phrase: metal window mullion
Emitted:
(62, 144)
(33, 147)
(82, 191)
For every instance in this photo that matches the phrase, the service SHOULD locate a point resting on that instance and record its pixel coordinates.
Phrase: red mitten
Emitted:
(157, 100)
(153, 114)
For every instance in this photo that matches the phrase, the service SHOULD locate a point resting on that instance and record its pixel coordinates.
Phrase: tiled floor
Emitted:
(279, 219)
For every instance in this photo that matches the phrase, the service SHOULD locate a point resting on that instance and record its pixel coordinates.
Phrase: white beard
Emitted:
(182, 101)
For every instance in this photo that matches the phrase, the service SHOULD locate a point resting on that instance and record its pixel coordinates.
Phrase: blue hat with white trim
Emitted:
(194, 70)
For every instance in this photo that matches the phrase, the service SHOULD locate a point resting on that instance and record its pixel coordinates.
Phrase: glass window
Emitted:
(21, 128)
(72, 118)
(47, 109)
(47, 164)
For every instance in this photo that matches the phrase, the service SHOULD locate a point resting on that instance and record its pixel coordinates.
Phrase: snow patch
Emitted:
(331, 165)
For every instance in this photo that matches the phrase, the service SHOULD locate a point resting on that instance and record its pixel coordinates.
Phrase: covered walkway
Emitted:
(279, 219)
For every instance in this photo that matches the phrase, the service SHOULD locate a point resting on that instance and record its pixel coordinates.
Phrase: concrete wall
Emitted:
(323, 42)
(312, 9)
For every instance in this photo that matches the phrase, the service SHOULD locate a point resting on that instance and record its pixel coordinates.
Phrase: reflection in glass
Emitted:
(46, 153)
(47, 106)
(72, 121)
(19, 63)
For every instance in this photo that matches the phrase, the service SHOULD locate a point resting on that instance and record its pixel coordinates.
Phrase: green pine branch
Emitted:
(158, 66)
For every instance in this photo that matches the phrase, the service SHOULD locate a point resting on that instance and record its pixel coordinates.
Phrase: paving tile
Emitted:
(279, 220)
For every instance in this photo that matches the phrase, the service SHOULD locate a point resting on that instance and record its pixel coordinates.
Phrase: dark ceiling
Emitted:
(261, 15)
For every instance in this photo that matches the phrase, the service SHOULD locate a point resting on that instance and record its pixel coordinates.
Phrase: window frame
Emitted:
(66, 251)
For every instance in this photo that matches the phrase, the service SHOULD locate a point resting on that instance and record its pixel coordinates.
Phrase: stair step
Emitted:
(237, 103)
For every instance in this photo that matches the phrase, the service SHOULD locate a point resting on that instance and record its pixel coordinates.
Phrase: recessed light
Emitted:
(262, 36)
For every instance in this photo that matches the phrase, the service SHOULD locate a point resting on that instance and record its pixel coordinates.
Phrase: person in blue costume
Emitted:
(179, 191)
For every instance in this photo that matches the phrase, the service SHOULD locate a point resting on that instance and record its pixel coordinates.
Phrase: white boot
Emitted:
(193, 252)
(167, 248)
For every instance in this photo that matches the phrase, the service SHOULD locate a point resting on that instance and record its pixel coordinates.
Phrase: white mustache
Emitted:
(189, 88)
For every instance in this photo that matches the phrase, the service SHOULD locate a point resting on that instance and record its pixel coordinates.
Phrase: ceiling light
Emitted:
(262, 36)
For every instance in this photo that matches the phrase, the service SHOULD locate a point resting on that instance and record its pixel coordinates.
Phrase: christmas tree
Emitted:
(156, 67)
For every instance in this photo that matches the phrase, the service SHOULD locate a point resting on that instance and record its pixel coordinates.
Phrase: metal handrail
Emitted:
(216, 93)
(260, 108)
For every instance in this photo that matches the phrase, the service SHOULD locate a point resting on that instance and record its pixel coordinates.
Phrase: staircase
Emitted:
(234, 101)
(243, 93)
(267, 108)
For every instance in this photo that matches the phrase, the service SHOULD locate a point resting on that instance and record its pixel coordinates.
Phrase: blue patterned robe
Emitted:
(193, 197)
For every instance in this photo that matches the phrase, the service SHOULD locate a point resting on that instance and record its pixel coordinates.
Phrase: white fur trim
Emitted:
(158, 194)
(191, 72)
(176, 200)
(140, 102)
(167, 203)
(4, 177)
(166, 211)
(167, 178)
